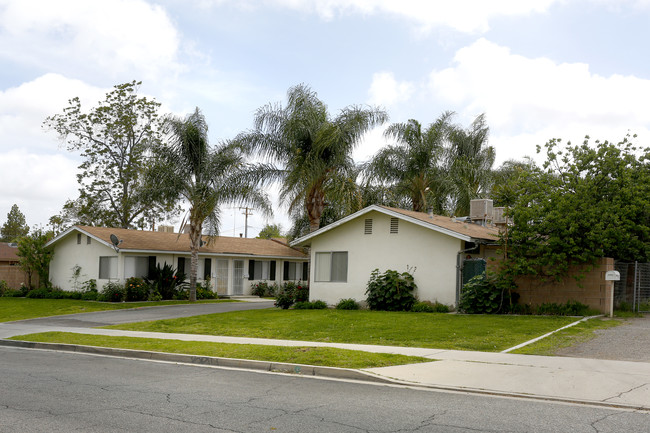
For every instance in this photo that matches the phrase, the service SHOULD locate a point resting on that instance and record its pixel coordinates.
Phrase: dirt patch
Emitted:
(627, 342)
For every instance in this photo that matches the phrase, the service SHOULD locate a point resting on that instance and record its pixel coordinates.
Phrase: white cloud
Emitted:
(385, 90)
(468, 16)
(526, 98)
(39, 175)
(116, 38)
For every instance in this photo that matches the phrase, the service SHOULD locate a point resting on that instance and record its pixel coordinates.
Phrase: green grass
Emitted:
(443, 331)
(579, 333)
(24, 308)
(323, 356)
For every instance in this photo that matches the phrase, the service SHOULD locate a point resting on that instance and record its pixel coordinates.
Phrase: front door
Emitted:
(238, 277)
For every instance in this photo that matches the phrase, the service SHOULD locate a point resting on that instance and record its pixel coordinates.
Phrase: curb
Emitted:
(298, 369)
(248, 364)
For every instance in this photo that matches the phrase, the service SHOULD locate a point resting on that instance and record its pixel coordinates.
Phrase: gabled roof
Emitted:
(446, 225)
(8, 253)
(147, 241)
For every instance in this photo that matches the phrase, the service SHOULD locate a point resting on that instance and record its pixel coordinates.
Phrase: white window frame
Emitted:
(325, 271)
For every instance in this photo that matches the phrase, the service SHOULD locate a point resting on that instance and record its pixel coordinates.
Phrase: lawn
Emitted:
(577, 334)
(25, 308)
(444, 331)
(323, 356)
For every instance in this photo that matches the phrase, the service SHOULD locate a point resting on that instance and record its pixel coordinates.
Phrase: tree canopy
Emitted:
(34, 257)
(270, 231)
(15, 227)
(114, 139)
(312, 151)
(187, 168)
(587, 201)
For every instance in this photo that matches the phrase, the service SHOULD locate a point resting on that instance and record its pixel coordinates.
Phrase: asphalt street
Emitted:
(46, 391)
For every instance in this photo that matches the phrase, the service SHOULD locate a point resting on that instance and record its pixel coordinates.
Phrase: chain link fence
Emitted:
(632, 291)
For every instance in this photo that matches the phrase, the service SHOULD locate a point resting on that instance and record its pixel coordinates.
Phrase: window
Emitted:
(107, 267)
(87, 240)
(368, 227)
(78, 238)
(293, 271)
(332, 266)
(394, 225)
(181, 265)
(207, 269)
(136, 266)
(261, 269)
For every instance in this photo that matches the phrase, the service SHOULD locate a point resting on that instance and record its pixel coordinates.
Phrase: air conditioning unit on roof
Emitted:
(480, 209)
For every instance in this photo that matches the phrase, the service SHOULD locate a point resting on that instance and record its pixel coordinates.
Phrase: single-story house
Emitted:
(231, 264)
(440, 251)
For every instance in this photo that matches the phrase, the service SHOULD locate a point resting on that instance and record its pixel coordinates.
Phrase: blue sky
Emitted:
(538, 69)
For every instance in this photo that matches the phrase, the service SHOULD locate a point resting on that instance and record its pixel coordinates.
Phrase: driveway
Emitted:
(115, 317)
(627, 342)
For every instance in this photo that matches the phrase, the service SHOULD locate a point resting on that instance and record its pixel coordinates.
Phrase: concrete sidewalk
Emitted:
(601, 382)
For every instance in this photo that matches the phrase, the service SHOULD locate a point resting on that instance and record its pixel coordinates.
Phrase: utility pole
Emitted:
(247, 211)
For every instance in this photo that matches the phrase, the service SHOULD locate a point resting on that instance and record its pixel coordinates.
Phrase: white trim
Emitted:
(75, 228)
(303, 240)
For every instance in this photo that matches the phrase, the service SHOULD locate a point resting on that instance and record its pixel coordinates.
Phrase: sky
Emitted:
(538, 69)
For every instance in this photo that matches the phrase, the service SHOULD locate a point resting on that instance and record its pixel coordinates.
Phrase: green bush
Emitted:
(89, 296)
(112, 292)
(485, 294)
(347, 304)
(3, 287)
(52, 293)
(571, 308)
(264, 289)
(136, 290)
(284, 299)
(305, 305)
(168, 283)
(204, 291)
(390, 291)
(11, 293)
(430, 307)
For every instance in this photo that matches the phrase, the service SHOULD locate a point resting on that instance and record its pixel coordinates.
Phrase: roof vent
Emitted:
(394, 225)
(367, 230)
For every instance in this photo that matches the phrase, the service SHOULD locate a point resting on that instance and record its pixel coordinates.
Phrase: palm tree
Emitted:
(469, 164)
(311, 150)
(411, 168)
(187, 168)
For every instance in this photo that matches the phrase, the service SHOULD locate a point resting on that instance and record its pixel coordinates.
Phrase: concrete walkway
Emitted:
(592, 381)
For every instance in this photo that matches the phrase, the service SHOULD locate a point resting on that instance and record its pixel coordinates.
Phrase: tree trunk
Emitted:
(315, 205)
(195, 243)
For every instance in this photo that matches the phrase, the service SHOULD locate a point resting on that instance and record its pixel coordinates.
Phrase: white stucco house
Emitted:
(232, 264)
(436, 248)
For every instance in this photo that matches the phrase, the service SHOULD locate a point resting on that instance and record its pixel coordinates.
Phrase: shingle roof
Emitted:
(161, 241)
(8, 253)
(475, 231)
(450, 226)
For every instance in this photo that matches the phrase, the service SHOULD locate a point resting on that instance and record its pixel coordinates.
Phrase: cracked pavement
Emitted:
(56, 392)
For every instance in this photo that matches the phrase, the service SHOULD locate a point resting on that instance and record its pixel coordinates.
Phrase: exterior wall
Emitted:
(592, 290)
(432, 254)
(14, 276)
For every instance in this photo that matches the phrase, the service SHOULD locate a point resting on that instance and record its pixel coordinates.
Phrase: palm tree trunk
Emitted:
(195, 244)
(315, 206)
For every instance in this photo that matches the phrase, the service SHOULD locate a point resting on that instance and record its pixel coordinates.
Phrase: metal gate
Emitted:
(633, 289)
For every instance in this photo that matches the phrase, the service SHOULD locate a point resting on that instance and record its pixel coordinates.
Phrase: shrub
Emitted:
(571, 308)
(284, 299)
(89, 296)
(301, 293)
(264, 289)
(168, 283)
(390, 291)
(485, 294)
(52, 293)
(112, 292)
(3, 287)
(430, 307)
(136, 290)
(204, 291)
(305, 305)
(12, 293)
(347, 304)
